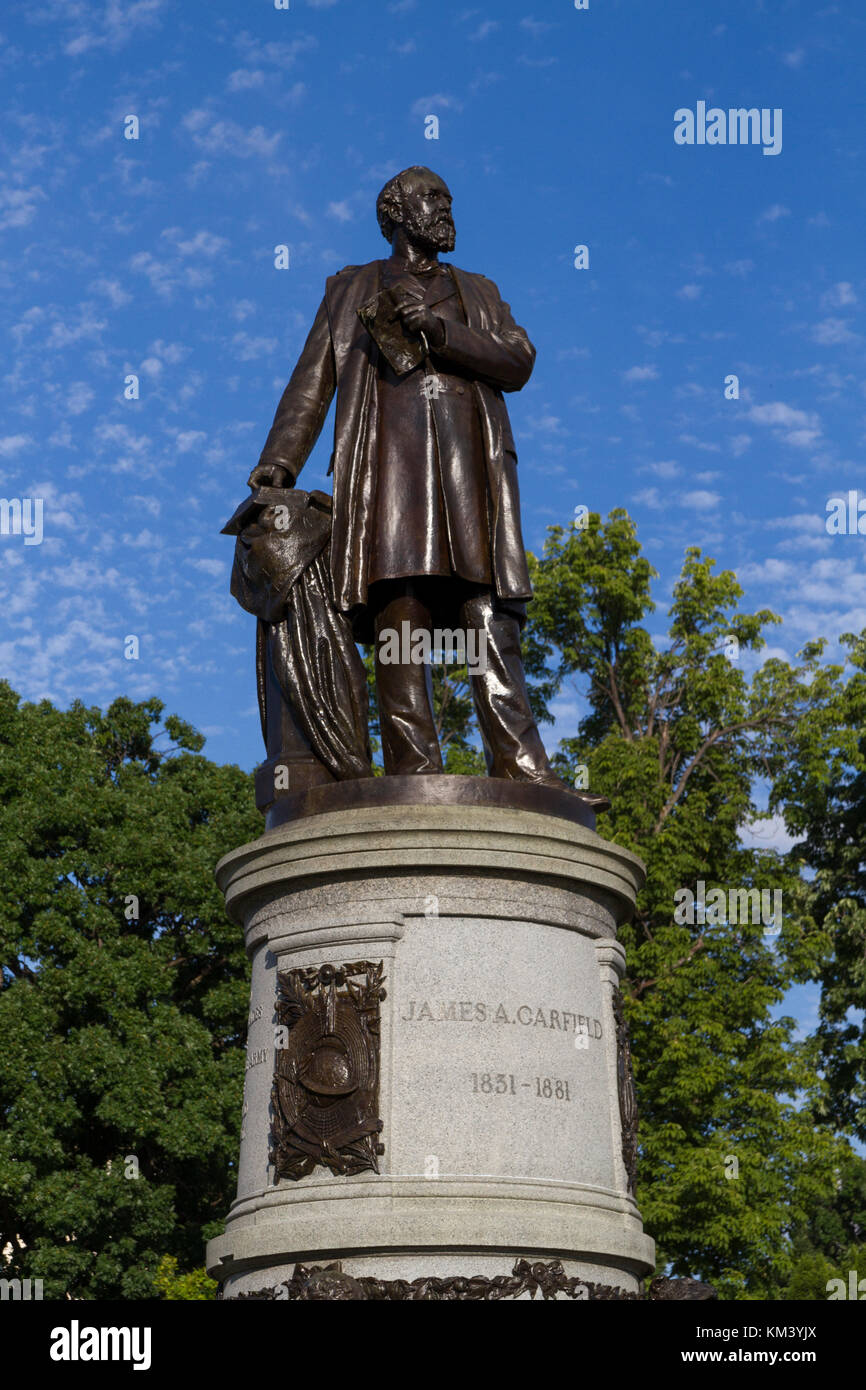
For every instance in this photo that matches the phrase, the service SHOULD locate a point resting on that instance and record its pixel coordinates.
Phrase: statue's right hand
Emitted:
(269, 475)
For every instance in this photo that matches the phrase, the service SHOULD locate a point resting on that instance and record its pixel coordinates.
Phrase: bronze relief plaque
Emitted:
(325, 1095)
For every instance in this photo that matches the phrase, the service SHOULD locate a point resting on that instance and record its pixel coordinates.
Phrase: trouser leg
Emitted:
(409, 740)
(512, 743)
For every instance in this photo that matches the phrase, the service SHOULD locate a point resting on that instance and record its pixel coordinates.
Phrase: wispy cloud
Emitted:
(649, 373)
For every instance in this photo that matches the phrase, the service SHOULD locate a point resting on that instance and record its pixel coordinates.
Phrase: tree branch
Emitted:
(684, 960)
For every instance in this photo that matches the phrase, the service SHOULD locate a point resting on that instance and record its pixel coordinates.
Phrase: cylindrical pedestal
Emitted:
(449, 1097)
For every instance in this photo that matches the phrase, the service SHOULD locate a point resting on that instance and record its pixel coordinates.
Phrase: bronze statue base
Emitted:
(439, 789)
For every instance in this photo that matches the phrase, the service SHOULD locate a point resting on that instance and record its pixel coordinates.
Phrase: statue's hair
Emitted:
(390, 200)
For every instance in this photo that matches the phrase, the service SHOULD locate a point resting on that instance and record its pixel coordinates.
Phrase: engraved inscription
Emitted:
(487, 1083)
(526, 1015)
(254, 1059)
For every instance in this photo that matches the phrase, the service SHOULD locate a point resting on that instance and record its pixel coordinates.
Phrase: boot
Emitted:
(512, 743)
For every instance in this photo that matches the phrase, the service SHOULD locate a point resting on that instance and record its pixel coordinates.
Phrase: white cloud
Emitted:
(830, 332)
(167, 275)
(242, 309)
(278, 53)
(152, 505)
(244, 79)
(113, 290)
(65, 334)
(777, 413)
(774, 212)
(249, 349)
(204, 243)
(484, 30)
(665, 468)
(223, 137)
(163, 278)
(426, 106)
(187, 440)
(536, 27)
(143, 540)
(547, 423)
(803, 530)
(78, 395)
(703, 445)
(169, 352)
(769, 571)
(839, 296)
(700, 499)
(117, 435)
(110, 26)
(649, 496)
(800, 428)
(18, 205)
(12, 444)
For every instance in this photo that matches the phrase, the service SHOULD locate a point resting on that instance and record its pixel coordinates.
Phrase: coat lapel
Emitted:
(471, 298)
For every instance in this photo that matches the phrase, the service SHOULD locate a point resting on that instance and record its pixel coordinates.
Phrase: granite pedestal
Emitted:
(489, 915)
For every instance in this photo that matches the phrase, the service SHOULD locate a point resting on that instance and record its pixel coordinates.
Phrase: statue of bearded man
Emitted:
(426, 516)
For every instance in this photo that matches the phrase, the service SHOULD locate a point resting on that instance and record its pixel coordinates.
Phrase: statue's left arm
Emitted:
(502, 356)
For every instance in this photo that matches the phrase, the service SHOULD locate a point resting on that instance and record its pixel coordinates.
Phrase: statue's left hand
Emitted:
(418, 319)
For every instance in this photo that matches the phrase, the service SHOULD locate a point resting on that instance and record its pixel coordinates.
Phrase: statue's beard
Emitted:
(433, 233)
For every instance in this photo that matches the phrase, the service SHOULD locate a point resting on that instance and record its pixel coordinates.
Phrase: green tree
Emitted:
(810, 1274)
(821, 790)
(192, 1287)
(123, 998)
(677, 736)
(829, 1240)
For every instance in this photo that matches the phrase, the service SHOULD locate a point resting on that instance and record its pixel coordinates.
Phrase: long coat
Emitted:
(340, 355)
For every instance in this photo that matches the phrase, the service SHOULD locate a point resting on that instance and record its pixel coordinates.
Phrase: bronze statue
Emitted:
(425, 530)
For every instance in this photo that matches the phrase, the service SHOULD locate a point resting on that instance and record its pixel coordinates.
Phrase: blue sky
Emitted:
(260, 127)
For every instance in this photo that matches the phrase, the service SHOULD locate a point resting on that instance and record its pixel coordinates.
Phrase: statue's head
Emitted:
(419, 202)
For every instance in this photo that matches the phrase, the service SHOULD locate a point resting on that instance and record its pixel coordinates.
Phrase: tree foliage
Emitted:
(821, 790)
(194, 1287)
(678, 736)
(124, 995)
